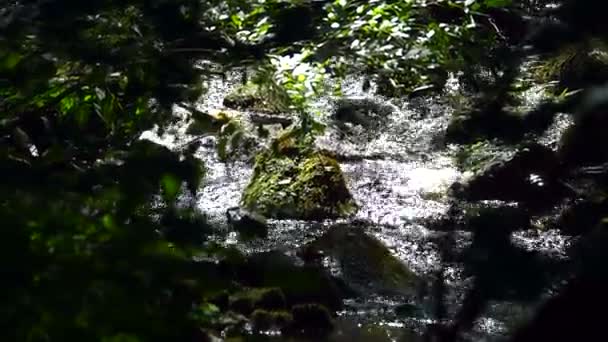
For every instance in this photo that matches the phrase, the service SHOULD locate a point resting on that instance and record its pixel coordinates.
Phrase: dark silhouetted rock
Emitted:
(529, 177)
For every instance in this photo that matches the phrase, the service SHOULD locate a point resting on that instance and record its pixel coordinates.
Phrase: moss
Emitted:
(436, 196)
(248, 300)
(292, 182)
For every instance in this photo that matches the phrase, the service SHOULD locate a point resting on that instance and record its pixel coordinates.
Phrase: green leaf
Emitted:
(9, 61)
(67, 103)
(108, 222)
(170, 185)
(205, 313)
(498, 3)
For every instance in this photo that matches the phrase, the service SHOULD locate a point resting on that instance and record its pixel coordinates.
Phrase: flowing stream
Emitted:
(399, 174)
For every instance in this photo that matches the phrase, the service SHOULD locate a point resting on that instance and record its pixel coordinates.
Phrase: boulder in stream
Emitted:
(530, 176)
(290, 181)
(363, 262)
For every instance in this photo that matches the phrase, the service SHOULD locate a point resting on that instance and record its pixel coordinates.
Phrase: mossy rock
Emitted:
(365, 263)
(252, 96)
(300, 284)
(265, 320)
(248, 300)
(290, 182)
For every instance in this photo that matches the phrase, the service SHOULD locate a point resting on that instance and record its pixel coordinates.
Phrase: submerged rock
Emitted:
(291, 182)
(360, 118)
(366, 112)
(363, 262)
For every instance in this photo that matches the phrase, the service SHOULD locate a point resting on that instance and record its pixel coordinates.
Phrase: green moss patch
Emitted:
(290, 182)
